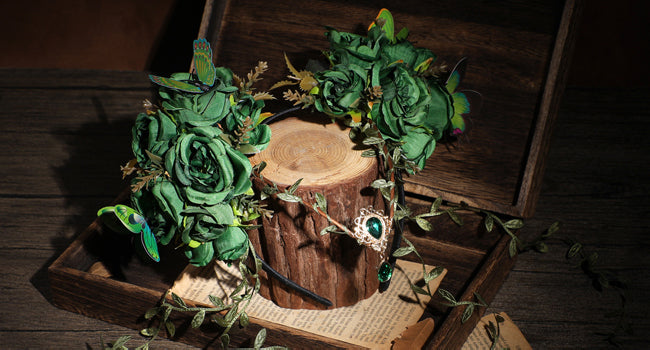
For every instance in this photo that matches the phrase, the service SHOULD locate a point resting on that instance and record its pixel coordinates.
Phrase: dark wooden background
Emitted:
(65, 132)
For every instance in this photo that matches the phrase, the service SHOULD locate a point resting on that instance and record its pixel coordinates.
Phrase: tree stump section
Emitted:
(333, 265)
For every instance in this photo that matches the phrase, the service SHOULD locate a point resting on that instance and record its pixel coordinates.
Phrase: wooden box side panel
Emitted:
(512, 63)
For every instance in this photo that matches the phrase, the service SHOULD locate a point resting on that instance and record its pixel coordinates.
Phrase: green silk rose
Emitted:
(258, 135)
(414, 111)
(340, 89)
(151, 132)
(206, 169)
(231, 244)
(161, 204)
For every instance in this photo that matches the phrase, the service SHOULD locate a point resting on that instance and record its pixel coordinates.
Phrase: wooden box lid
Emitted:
(518, 55)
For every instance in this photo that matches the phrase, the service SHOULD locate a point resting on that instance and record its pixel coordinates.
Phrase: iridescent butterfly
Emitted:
(460, 102)
(205, 72)
(134, 223)
(385, 20)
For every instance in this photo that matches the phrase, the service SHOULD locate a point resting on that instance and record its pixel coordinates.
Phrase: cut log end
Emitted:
(333, 265)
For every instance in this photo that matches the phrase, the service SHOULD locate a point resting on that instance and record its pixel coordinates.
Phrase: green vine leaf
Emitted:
(403, 251)
(514, 224)
(171, 329)
(243, 320)
(259, 339)
(489, 223)
(178, 300)
(467, 313)
(151, 313)
(149, 332)
(424, 224)
(197, 320)
(418, 290)
(287, 197)
(292, 189)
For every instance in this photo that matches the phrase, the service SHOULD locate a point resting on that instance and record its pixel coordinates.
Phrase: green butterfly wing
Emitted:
(205, 70)
(175, 84)
(385, 20)
(123, 219)
(461, 103)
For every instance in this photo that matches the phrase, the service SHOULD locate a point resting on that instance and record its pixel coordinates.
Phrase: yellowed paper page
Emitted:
(509, 335)
(371, 323)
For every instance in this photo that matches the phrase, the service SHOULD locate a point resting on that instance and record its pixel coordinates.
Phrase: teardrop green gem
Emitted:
(374, 227)
(385, 272)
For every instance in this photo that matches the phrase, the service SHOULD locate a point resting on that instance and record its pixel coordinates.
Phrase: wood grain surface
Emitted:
(65, 133)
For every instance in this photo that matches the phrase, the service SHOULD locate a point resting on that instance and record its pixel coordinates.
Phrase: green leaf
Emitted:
(218, 319)
(499, 318)
(418, 290)
(574, 250)
(369, 153)
(151, 313)
(382, 183)
(480, 299)
(216, 301)
(445, 294)
(168, 311)
(287, 197)
(259, 339)
(552, 229)
(197, 320)
(149, 332)
(292, 189)
(372, 140)
(541, 247)
(321, 202)
(243, 319)
(467, 313)
(328, 229)
(436, 205)
(514, 224)
(455, 217)
(489, 223)
(178, 300)
(424, 224)
(121, 341)
(225, 340)
(171, 329)
(433, 274)
(403, 251)
(512, 248)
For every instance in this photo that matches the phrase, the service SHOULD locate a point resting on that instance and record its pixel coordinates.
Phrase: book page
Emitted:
(510, 337)
(372, 323)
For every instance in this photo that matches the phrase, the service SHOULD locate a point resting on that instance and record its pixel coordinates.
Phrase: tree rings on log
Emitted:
(332, 265)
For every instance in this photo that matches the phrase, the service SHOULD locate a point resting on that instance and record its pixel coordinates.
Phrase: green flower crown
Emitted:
(193, 177)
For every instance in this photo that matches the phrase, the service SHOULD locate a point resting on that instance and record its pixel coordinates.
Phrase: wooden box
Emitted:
(518, 56)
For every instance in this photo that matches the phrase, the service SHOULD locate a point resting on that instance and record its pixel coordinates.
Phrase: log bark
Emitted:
(333, 265)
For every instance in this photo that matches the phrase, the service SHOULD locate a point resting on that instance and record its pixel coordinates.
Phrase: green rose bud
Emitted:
(244, 116)
(341, 89)
(206, 168)
(151, 132)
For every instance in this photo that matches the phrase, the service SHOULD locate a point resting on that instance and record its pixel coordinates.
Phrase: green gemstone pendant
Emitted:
(371, 229)
(385, 272)
(374, 227)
